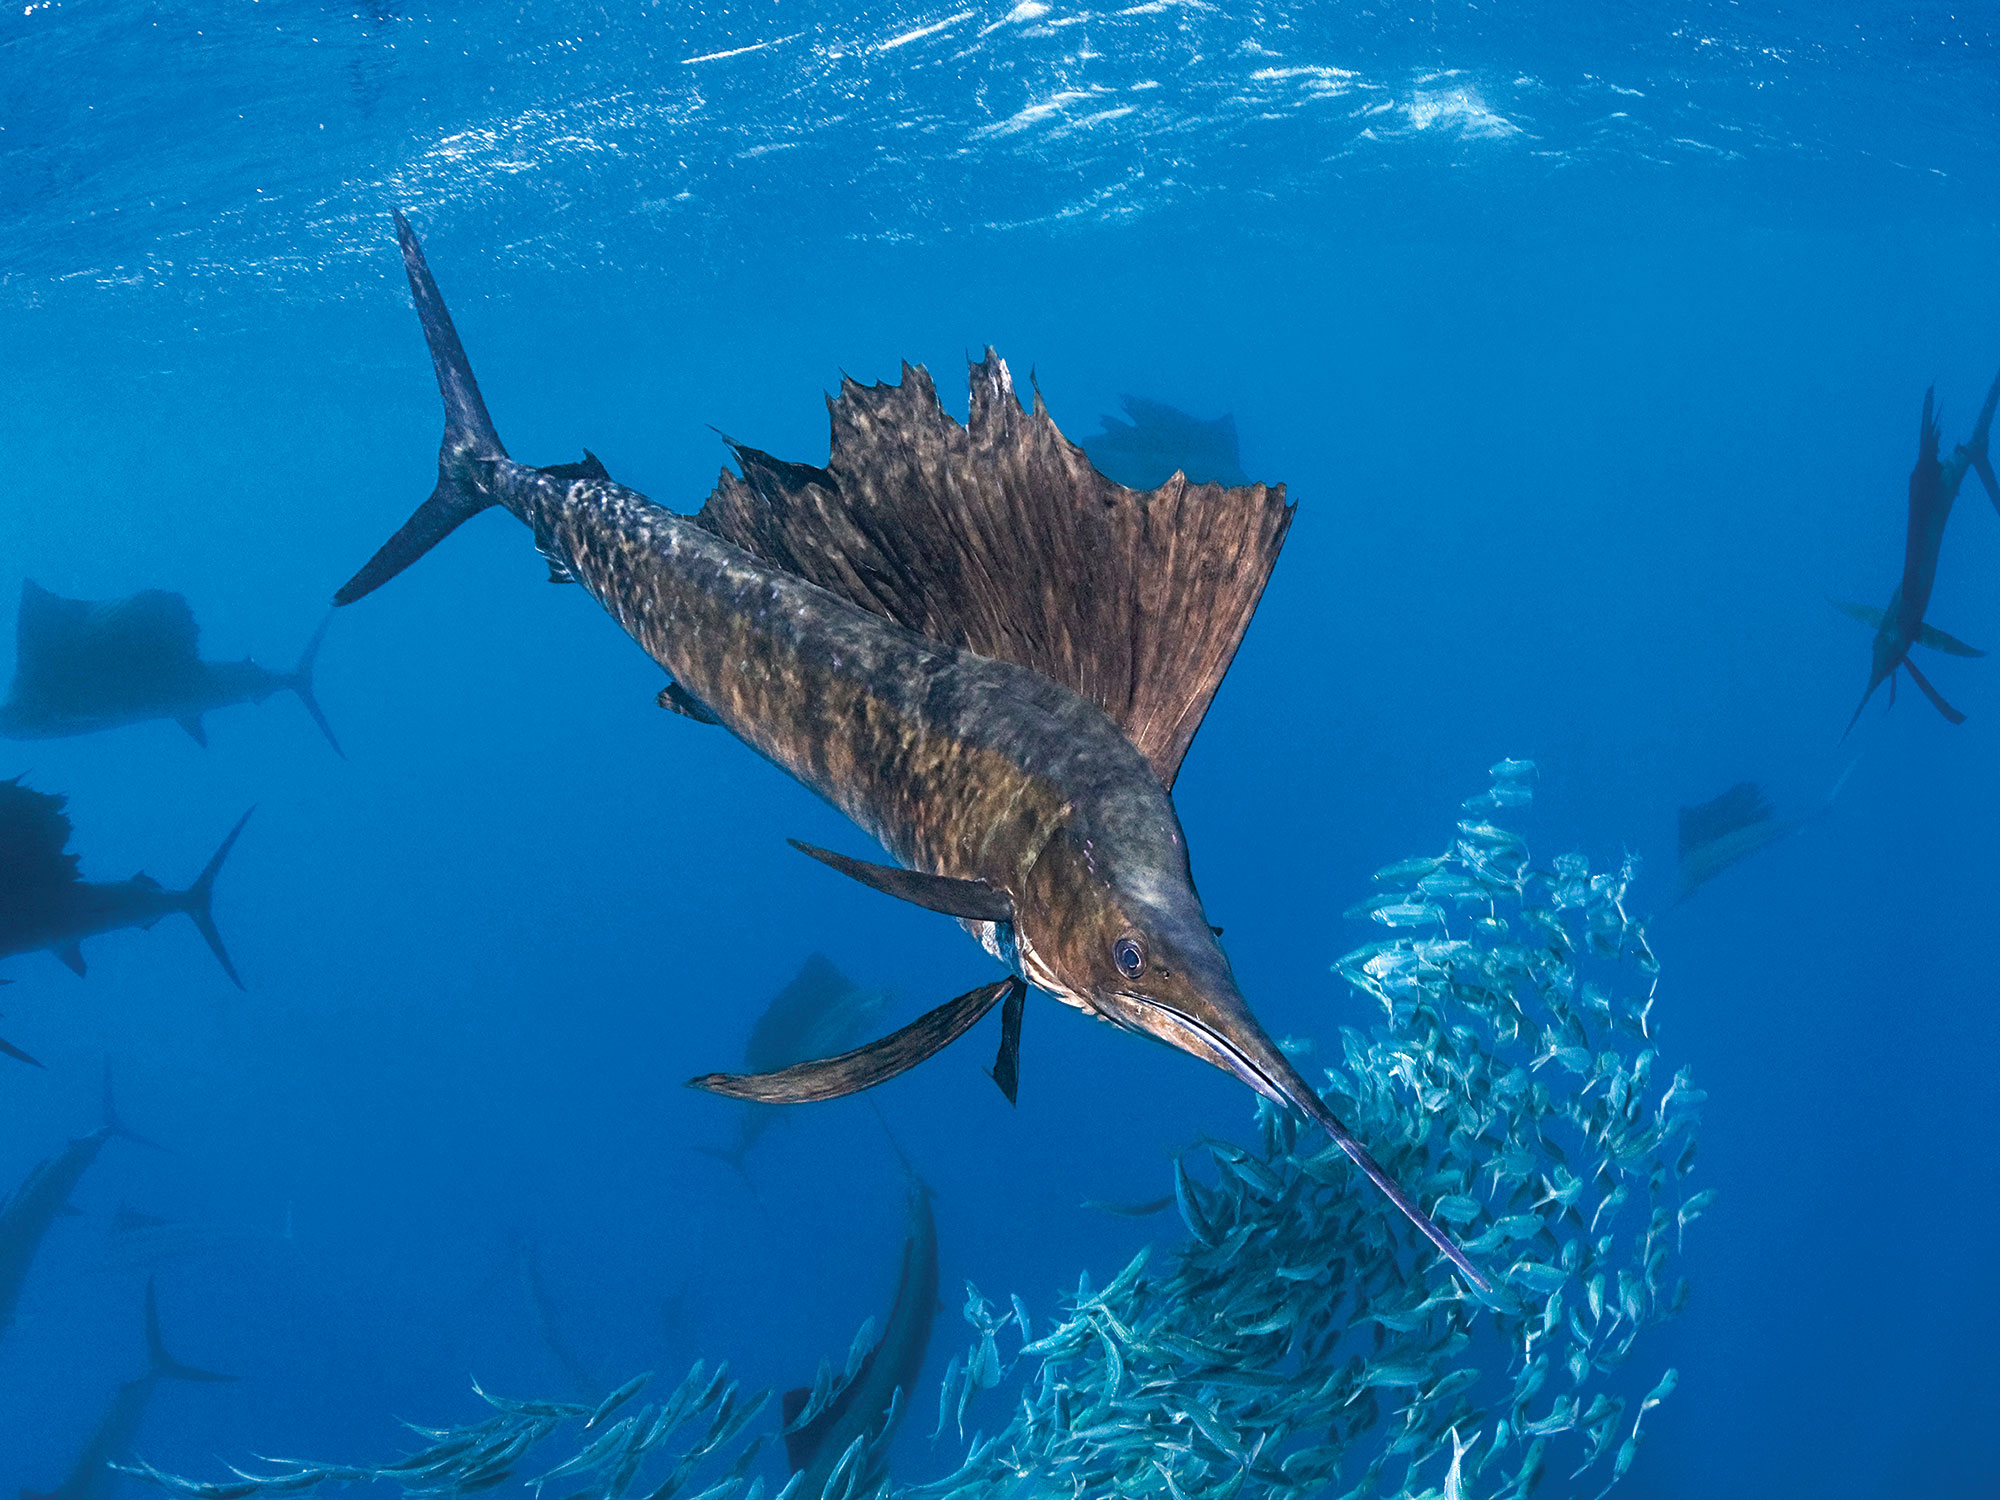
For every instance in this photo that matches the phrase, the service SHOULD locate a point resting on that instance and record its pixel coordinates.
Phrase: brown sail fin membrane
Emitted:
(974, 900)
(1000, 537)
(863, 1068)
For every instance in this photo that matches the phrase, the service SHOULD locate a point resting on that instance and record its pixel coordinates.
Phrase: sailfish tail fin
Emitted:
(163, 1364)
(196, 898)
(1976, 448)
(302, 684)
(469, 438)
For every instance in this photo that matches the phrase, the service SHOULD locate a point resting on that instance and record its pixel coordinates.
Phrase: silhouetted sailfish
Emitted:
(853, 1426)
(98, 1469)
(1933, 488)
(43, 1197)
(82, 665)
(46, 903)
(820, 1011)
(988, 655)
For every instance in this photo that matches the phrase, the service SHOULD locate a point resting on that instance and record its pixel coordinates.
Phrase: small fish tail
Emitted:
(195, 901)
(469, 439)
(301, 683)
(732, 1156)
(1976, 448)
(164, 1365)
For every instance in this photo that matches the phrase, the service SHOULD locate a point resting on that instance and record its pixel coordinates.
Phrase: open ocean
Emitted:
(1590, 343)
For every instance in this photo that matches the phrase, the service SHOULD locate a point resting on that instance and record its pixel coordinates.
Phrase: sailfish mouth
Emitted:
(1277, 1080)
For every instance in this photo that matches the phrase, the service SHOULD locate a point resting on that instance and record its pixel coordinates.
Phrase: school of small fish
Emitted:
(1300, 1342)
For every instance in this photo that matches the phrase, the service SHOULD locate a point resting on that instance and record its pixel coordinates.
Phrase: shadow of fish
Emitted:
(985, 653)
(46, 904)
(548, 1323)
(43, 1197)
(1725, 830)
(1161, 441)
(82, 666)
(819, 1013)
(1934, 485)
(94, 1476)
(146, 1241)
(856, 1426)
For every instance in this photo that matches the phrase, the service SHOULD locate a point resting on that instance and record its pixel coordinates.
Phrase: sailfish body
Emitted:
(46, 904)
(1934, 486)
(985, 653)
(84, 665)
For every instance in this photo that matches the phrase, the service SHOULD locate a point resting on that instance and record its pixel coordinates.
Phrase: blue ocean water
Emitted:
(1591, 349)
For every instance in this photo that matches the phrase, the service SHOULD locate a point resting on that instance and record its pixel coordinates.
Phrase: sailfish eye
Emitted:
(1130, 956)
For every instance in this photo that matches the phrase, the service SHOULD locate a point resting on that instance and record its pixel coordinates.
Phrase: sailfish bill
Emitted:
(983, 651)
(878, 1062)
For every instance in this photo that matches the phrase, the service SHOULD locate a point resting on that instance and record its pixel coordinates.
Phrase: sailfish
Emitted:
(84, 665)
(45, 903)
(1934, 486)
(985, 653)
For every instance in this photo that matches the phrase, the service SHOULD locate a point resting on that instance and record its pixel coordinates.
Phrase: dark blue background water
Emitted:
(1592, 357)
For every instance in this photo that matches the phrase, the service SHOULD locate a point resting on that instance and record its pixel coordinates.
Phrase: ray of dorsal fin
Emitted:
(1000, 537)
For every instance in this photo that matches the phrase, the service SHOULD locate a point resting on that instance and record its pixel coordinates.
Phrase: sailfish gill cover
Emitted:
(1606, 374)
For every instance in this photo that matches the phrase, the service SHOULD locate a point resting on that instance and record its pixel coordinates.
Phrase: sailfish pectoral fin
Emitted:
(878, 1062)
(974, 900)
(1952, 715)
(18, 1055)
(1951, 645)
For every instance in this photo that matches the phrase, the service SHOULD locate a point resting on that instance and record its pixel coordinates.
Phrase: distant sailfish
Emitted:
(45, 903)
(1933, 488)
(43, 1197)
(95, 1475)
(983, 651)
(820, 1013)
(1161, 441)
(82, 666)
(837, 1431)
(1720, 832)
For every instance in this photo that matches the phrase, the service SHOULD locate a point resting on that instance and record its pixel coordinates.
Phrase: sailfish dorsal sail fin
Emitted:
(1000, 537)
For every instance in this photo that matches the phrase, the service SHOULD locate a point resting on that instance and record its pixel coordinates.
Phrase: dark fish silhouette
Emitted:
(95, 1474)
(81, 666)
(43, 1197)
(976, 646)
(548, 1323)
(1724, 830)
(820, 1012)
(45, 903)
(1161, 441)
(867, 1410)
(1933, 489)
